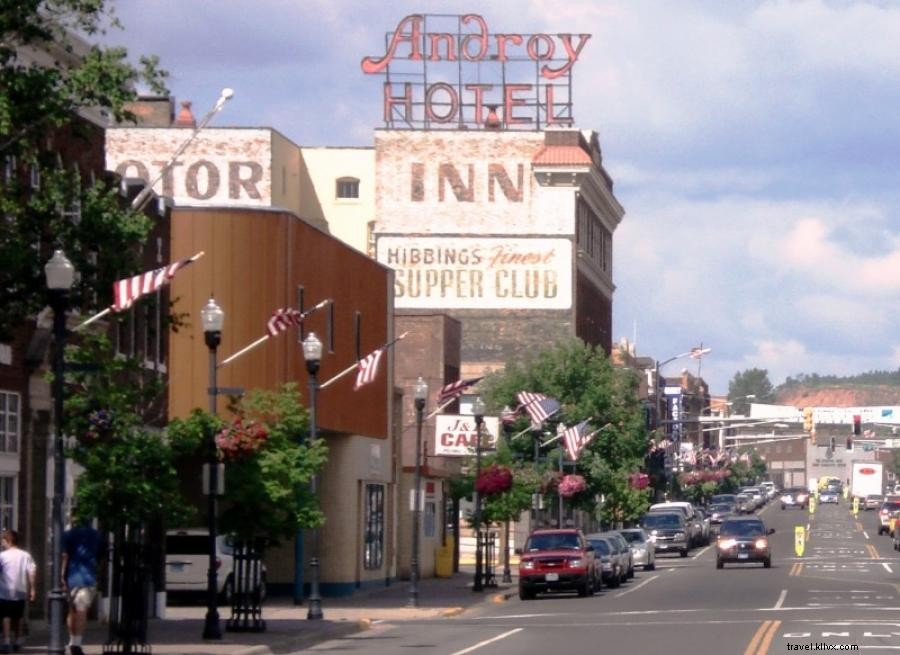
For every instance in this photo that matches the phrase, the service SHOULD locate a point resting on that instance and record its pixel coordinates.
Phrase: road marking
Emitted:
(762, 638)
(872, 552)
(858, 525)
(866, 534)
(702, 551)
(480, 644)
(796, 569)
(781, 599)
(887, 567)
(636, 587)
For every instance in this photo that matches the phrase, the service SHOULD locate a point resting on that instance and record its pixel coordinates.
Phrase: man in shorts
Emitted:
(17, 585)
(82, 547)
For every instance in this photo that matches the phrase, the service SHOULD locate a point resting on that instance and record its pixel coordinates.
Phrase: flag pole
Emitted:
(106, 311)
(440, 409)
(355, 364)
(265, 337)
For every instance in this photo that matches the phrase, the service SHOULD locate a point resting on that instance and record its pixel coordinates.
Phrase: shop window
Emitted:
(428, 519)
(8, 502)
(347, 188)
(373, 549)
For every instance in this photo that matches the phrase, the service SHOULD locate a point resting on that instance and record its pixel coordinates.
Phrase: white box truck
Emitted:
(866, 478)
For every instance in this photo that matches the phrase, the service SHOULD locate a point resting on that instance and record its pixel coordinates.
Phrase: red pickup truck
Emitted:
(557, 560)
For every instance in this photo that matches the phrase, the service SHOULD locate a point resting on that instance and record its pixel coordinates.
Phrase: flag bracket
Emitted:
(225, 391)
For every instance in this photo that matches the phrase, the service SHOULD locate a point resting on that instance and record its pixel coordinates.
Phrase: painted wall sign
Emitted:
(526, 76)
(454, 435)
(478, 272)
(221, 167)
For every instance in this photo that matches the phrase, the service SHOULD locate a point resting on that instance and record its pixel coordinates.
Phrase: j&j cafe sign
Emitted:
(455, 436)
(472, 57)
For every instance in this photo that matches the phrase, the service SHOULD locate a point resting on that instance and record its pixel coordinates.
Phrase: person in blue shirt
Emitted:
(82, 550)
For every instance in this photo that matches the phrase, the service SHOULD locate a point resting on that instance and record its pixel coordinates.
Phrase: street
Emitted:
(842, 592)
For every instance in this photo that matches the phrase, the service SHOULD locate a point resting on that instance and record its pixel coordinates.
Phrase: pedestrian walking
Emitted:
(17, 586)
(82, 549)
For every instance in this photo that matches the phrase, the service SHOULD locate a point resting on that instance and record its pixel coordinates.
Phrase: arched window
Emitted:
(347, 187)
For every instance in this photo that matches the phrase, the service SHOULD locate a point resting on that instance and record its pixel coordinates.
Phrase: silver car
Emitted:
(643, 551)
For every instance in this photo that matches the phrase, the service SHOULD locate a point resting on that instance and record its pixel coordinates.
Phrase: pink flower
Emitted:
(494, 480)
(240, 439)
(571, 485)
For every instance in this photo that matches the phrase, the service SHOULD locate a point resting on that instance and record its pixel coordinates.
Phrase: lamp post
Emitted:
(420, 392)
(507, 573)
(312, 353)
(60, 275)
(478, 411)
(212, 318)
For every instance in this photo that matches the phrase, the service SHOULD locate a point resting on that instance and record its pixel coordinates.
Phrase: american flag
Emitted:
(538, 406)
(127, 291)
(282, 319)
(576, 438)
(455, 389)
(367, 368)
(508, 415)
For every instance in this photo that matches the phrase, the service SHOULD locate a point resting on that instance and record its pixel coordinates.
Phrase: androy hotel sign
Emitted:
(526, 76)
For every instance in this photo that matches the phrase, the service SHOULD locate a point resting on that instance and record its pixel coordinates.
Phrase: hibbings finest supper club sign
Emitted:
(451, 72)
(478, 272)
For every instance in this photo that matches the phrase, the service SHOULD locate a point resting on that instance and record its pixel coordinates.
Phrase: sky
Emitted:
(755, 147)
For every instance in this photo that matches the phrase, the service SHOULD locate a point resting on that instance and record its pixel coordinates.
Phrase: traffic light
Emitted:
(857, 425)
(849, 443)
(808, 420)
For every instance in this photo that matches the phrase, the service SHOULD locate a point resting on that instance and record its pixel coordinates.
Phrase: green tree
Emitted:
(590, 388)
(39, 105)
(267, 490)
(752, 382)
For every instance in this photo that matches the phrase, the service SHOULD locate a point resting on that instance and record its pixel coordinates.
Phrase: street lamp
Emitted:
(312, 353)
(212, 318)
(420, 393)
(60, 276)
(478, 411)
(507, 573)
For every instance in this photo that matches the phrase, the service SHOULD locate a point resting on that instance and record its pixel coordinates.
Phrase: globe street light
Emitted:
(60, 276)
(312, 353)
(478, 411)
(420, 393)
(212, 318)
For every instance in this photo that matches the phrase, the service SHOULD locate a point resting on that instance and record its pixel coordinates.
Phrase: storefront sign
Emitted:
(455, 435)
(528, 76)
(479, 272)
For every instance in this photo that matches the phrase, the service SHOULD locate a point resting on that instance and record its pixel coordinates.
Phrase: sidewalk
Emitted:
(287, 629)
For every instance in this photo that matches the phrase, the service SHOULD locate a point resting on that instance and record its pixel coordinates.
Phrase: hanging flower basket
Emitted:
(494, 480)
(639, 480)
(99, 429)
(571, 485)
(241, 439)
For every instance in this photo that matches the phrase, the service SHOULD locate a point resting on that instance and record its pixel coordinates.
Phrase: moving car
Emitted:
(872, 501)
(743, 539)
(719, 512)
(795, 497)
(667, 531)
(643, 552)
(891, 504)
(187, 564)
(829, 495)
(691, 524)
(557, 560)
(744, 504)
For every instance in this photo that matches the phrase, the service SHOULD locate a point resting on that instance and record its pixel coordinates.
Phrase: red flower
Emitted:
(240, 439)
(571, 485)
(494, 480)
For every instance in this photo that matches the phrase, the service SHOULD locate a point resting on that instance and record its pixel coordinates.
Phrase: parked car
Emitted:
(872, 501)
(757, 494)
(702, 520)
(187, 564)
(722, 498)
(718, 513)
(625, 548)
(643, 551)
(556, 560)
(795, 497)
(693, 528)
(769, 487)
(744, 539)
(607, 552)
(743, 504)
(667, 531)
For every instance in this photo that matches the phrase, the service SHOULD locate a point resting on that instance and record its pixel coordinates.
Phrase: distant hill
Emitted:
(838, 395)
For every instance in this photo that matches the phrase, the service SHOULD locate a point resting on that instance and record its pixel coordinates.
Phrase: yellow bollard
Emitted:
(855, 505)
(891, 525)
(799, 540)
(812, 504)
(443, 560)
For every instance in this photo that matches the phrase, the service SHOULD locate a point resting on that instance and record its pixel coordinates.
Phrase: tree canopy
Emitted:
(752, 382)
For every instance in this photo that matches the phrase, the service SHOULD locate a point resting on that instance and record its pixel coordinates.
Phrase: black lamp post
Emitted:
(420, 392)
(60, 275)
(478, 411)
(507, 573)
(312, 353)
(213, 318)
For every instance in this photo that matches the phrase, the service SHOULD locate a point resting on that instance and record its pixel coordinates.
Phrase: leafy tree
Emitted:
(752, 382)
(590, 388)
(267, 491)
(39, 105)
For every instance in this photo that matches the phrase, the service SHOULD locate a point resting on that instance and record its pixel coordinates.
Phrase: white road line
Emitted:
(887, 567)
(487, 641)
(781, 598)
(636, 587)
(702, 551)
(866, 534)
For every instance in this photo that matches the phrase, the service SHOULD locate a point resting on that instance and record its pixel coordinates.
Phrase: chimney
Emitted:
(185, 115)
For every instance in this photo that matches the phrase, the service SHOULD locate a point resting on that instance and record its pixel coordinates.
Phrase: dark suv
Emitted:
(667, 531)
(744, 539)
(557, 560)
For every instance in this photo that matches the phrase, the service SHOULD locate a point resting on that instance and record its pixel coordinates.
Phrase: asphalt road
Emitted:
(843, 592)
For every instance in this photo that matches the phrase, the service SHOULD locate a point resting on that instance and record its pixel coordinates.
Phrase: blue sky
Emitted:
(755, 147)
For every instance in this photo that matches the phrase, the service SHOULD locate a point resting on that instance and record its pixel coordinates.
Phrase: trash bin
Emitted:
(443, 560)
